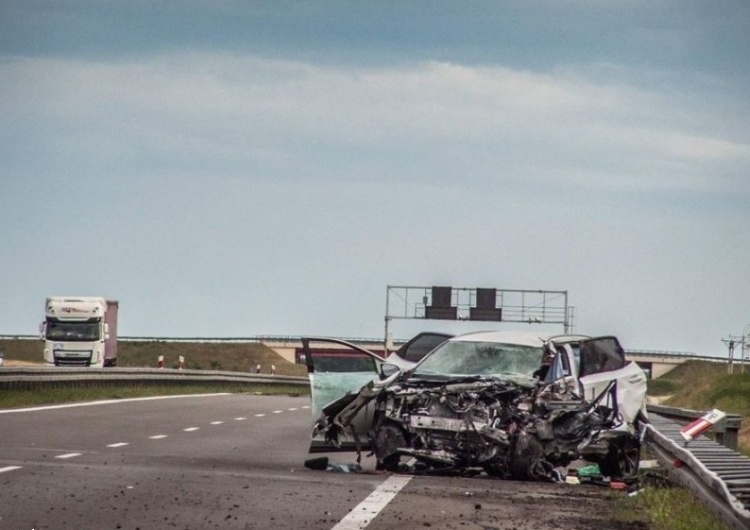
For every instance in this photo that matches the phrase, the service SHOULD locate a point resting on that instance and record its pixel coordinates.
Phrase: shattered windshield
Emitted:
(481, 358)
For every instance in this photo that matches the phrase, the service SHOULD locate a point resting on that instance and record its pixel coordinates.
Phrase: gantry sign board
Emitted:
(478, 304)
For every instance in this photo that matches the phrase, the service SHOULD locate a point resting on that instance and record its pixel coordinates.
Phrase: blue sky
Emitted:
(247, 168)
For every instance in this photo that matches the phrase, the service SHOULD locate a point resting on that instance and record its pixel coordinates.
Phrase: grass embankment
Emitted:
(696, 385)
(234, 357)
(701, 385)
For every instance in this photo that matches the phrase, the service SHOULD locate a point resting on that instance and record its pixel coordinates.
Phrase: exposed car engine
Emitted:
(482, 403)
(504, 428)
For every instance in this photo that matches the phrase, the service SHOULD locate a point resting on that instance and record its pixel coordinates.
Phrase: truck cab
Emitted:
(80, 331)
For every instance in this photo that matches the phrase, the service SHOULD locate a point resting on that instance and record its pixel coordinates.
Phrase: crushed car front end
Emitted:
(474, 405)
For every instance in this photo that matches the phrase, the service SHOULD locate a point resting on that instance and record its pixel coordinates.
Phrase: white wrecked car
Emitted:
(513, 405)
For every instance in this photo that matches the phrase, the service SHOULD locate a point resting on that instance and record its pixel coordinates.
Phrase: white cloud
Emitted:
(270, 186)
(274, 115)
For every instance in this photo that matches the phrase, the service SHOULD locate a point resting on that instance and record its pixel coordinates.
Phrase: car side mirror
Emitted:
(388, 369)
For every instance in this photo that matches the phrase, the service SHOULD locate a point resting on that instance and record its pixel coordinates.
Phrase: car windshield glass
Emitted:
(73, 331)
(481, 358)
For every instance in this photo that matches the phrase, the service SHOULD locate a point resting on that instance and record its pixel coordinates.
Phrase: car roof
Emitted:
(523, 338)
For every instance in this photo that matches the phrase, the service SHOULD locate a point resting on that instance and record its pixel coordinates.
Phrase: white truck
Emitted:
(80, 331)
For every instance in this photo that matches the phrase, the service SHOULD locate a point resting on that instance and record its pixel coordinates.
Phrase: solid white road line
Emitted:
(118, 444)
(366, 511)
(68, 455)
(9, 468)
(106, 402)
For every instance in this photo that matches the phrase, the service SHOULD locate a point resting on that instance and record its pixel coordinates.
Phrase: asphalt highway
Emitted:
(236, 462)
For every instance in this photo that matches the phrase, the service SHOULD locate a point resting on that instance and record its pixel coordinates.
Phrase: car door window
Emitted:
(602, 354)
(421, 345)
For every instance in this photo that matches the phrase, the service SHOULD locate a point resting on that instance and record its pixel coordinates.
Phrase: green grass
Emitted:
(234, 357)
(667, 509)
(26, 398)
(701, 385)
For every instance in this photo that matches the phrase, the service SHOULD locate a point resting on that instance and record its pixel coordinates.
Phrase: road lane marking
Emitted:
(216, 422)
(367, 510)
(118, 444)
(278, 411)
(241, 418)
(158, 437)
(108, 402)
(191, 429)
(291, 409)
(9, 468)
(68, 455)
(306, 407)
(259, 415)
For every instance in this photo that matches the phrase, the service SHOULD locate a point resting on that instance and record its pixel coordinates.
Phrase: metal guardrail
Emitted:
(725, 431)
(26, 378)
(719, 475)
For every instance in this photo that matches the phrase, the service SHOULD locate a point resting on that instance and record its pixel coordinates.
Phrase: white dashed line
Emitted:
(292, 409)
(158, 437)
(306, 407)
(240, 419)
(191, 429)
(259, 415)
(216, 422)
(278, 411)
(118, 444)
(68, 455)
(9, 468)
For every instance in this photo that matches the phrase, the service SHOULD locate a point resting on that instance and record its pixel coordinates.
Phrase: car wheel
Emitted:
(525, 451)
(623, 458)
(389, 437)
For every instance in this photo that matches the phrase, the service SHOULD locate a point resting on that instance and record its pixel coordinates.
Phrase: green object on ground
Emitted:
(589, 471)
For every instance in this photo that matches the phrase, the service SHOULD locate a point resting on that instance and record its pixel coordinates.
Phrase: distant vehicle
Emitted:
(511, 404)
(80, 331)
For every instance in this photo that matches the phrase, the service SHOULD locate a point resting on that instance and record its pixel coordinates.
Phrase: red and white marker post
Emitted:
(182, 363)
(160, 362)
(693, 430)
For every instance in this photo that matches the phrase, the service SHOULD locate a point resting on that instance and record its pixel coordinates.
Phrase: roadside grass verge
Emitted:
(666, 508)
(27, 398)
(701, 385)
(229, 356)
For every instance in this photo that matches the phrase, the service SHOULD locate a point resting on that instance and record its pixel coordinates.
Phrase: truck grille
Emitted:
(72, 361)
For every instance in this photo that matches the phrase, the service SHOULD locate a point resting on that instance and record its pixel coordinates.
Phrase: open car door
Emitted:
(602, 360)
(336, 369)
(339, 370)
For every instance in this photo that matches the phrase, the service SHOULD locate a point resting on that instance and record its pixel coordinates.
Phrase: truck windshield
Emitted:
(72, 331)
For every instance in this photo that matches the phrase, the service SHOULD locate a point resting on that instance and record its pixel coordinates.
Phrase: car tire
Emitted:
(388, 438)
(623, 458)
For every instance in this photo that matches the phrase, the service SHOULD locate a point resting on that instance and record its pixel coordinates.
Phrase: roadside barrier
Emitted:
(26, 378)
